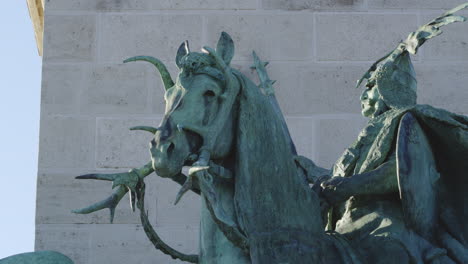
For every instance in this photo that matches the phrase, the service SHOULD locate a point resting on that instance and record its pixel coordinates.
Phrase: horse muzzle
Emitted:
(170, 153)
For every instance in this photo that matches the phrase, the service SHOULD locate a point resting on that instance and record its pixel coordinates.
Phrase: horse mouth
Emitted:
(195, 141)
(171, 155)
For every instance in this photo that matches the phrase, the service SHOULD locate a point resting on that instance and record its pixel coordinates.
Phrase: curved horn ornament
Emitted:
(152, 130)
(165, 75)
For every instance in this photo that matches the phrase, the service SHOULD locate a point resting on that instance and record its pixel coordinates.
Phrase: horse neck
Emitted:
(267, 178)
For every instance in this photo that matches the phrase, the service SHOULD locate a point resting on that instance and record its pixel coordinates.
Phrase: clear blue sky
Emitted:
(20, 72)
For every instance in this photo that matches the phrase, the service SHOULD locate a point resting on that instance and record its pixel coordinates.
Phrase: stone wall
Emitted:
(317, 50)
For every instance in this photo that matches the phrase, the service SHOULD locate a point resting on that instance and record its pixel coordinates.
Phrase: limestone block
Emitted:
(317, 88)
(330, 88)
(129, 244)
(418, 4)
(61, 86)
(117, 89)
(124, 36)
(69, 38)
(100, 5)
(334, 136)
(289, 37)
(119, 147)
(361, 37)
(239, 4)
(185, 214)
(443, 86)
(118, 5)
(302, 131)
(204, 4)
(66, 142)
(312, 88)
(452, 45)
(59, 193)
(244, 68)
(313, 4)
(69, 239)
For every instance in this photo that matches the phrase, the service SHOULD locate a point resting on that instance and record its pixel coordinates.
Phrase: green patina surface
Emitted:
(396, 195)
(40, 257)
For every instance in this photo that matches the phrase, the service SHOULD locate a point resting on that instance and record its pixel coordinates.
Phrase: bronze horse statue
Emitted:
(257, 206)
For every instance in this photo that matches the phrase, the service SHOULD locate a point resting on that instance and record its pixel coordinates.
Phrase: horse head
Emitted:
(199, 117)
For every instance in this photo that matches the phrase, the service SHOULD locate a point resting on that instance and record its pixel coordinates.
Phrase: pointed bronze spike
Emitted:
(110, 202)
(265, 81)
(132, 197)
(165, 75)
(112, 214)
(96, 176)
(456, 9)
(185, 188)
(152, 130)
(189, 182)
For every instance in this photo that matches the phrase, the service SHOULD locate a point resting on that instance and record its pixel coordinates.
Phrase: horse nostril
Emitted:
(170, 148)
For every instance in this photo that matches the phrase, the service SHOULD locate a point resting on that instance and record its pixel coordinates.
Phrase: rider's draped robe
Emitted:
(430, 211)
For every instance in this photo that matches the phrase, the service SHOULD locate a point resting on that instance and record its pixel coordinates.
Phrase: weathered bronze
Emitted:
(397, 195)
(38, 257)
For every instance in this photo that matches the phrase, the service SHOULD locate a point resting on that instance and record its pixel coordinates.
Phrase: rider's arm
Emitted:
(382, 180)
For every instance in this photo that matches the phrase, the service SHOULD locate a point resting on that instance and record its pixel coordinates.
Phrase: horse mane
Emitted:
(268, 190)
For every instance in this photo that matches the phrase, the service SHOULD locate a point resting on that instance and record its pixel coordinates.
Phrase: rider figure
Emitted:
(368, 187)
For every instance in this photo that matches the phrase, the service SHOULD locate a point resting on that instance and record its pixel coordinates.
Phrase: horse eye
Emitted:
(369, 85)
(209, 93)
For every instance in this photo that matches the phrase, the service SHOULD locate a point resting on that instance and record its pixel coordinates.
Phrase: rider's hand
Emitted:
(335, 190)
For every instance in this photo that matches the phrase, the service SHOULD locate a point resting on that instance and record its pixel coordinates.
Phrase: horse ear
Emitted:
(225, 47)
(181, 52)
